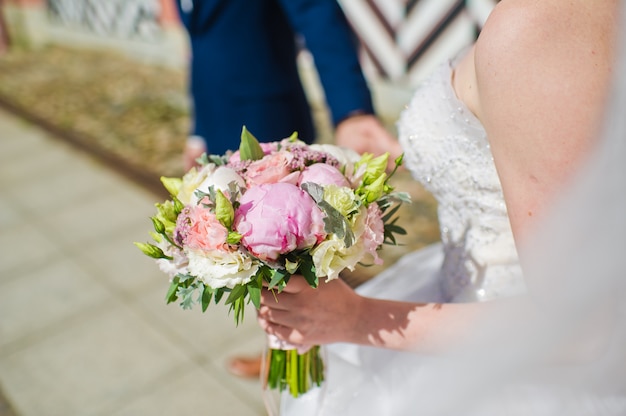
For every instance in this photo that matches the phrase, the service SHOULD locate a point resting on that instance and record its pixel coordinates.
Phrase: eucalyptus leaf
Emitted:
(315, 190)
(186, 294)
(215, 159)
(336, 223)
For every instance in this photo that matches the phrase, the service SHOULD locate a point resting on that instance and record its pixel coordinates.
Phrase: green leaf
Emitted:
(254, 289)
(278, 277)
(218, 295)
(388, 215)
(307, 269)
(249, 149)
(237, 292)
(207, 294)
(171, 293)
(239, 307)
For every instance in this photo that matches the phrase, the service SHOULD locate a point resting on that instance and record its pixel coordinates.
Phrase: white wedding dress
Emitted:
(446, 149)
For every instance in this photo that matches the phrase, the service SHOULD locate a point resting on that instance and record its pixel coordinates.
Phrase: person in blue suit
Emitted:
(244, 71)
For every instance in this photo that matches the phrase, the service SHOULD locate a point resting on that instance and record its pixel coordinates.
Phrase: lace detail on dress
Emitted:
(446, 149)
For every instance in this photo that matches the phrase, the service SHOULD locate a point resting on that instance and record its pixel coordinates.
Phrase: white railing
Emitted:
(126, 19)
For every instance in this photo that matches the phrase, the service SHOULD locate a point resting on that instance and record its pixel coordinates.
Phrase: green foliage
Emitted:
(249, 148)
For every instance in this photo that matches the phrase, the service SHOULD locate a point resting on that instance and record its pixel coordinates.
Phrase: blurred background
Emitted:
(94, 108)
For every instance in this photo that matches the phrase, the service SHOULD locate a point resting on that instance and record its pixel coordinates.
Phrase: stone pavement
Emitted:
(84, 329)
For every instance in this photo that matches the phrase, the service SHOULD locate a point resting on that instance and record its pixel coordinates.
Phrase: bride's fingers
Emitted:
(296, 284)
(281, 332)
(277, 316)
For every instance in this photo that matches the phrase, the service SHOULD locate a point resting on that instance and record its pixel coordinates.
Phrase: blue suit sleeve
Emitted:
(328, 36)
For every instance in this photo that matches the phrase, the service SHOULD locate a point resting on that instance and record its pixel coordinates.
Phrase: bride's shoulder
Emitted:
(528, 44)
(542, 70)
(526, 26)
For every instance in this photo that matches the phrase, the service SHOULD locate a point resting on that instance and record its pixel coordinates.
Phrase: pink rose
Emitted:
(278, 218)
(199, 229)
(323, 174)
(271, 169)
(266, 147)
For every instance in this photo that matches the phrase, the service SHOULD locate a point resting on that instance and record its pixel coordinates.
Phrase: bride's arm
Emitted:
(542, 71)
(335, 313)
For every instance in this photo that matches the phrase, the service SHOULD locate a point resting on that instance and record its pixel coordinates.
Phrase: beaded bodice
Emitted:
(446, 149)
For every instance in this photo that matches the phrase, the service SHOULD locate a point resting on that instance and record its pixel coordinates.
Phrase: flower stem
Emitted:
(297, 373)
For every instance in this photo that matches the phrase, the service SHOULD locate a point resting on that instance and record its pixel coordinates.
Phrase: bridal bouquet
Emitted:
(257, 216)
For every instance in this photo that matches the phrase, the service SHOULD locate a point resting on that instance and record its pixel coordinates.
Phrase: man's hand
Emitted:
(194, 148)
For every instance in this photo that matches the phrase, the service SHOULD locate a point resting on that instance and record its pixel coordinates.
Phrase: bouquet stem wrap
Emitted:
(291, 368)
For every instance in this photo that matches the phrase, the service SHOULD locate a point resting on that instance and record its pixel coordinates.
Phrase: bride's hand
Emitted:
(301, 314)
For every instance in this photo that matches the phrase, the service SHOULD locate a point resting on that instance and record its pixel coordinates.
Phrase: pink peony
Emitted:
(278, 218)
(323, 174)
(199, 229)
